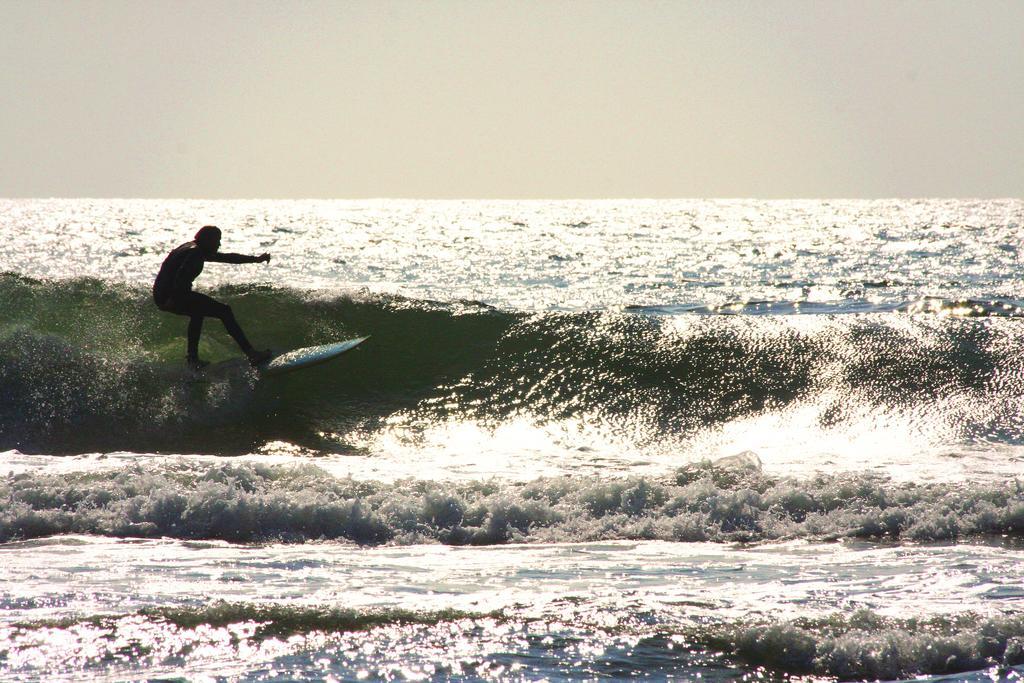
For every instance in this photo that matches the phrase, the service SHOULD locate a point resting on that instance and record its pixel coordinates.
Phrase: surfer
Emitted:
(173, 293)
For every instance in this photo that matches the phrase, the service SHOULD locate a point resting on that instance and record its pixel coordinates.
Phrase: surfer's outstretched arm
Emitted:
(238, 258)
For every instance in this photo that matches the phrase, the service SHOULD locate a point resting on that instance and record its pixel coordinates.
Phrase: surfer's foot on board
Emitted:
(195, 364)
(258, 357)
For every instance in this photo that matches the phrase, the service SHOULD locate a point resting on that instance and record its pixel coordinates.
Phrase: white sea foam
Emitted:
(257, 502)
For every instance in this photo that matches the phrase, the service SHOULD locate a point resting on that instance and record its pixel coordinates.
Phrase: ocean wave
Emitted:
(268, 620)
(726, 502)
(868, 646)
(160, 641)
(89, 366)
(862, 645)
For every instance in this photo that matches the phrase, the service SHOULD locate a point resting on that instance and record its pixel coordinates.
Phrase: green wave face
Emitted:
(87, 366)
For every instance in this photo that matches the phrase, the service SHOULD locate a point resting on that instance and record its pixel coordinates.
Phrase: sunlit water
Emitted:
(586, 440)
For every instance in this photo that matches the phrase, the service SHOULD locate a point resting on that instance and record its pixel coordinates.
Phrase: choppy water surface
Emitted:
(666, 439)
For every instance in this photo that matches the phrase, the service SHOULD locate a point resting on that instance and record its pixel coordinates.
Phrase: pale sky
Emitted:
(479, 99)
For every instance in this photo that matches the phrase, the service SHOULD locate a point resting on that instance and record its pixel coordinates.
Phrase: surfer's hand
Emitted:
(263, 258)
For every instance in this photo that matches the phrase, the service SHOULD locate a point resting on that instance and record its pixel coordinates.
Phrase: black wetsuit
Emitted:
(173, 293)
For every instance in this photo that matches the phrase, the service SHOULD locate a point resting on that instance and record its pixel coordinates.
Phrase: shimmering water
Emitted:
(590, 439)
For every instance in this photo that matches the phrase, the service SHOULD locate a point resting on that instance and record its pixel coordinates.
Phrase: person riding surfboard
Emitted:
(172, 292)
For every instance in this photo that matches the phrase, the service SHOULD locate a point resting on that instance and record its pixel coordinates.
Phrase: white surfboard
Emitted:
(311, 355)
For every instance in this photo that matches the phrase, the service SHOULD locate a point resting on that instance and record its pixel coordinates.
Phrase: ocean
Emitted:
(586, 440)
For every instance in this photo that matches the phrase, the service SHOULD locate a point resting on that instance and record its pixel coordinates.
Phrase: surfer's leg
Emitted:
(200, 304)
(195, 328)
(235, 330)
(192, 309)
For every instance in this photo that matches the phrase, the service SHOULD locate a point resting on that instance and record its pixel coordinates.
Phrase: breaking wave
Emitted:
(867, 646)
(732, 502)
(87, 366)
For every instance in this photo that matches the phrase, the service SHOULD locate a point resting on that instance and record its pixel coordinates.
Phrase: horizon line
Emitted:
(522, 199)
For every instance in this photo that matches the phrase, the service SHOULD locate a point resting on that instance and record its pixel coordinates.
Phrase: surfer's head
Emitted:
(208, 238)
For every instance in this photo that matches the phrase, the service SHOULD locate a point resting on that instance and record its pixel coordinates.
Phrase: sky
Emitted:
(482, 99)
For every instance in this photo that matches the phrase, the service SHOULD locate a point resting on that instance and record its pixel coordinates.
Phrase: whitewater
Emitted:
(616, 439)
